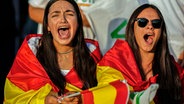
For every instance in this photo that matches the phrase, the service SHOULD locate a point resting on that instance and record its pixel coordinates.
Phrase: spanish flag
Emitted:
(28, 83)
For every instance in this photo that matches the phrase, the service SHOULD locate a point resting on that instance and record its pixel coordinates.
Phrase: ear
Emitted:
(48, 28)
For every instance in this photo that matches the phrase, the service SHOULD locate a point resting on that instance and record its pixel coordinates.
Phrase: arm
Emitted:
(84, 19)
(36, 14)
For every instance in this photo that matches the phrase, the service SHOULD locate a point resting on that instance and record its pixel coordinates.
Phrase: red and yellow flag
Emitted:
(116, 92)
(27, 82)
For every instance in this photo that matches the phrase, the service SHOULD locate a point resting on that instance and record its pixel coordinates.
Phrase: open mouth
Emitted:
(63, 28)
(148, 38)
(63, 32)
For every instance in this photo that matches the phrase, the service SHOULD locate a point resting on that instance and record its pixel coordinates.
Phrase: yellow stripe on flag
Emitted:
(15, 95)
(106, 74)
(102, 97)
(71, 87)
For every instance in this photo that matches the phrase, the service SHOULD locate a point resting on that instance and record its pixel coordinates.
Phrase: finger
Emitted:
(75, 99)
(51, 100)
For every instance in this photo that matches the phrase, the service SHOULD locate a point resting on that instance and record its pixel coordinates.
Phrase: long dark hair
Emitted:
(169, 91)
(84, 64)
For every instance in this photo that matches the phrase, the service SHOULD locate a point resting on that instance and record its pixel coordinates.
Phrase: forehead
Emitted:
(61, 4)
(148, 13)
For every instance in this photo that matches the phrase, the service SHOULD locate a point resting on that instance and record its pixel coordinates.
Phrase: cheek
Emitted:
(74, 23)
(137, 29)
(76, 26)
(51, 25)
(158, 34)
(137, 32)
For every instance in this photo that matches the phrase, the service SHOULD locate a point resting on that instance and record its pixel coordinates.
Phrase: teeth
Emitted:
(63, 28)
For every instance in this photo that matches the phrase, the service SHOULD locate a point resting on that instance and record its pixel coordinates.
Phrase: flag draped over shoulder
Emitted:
(120, 57)
(119, 63)
(28, 82)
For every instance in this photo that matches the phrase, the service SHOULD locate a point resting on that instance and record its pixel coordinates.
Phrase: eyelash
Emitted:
(69, 14)
(54, 15)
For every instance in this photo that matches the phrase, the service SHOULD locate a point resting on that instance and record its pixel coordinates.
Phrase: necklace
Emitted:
(65, 52)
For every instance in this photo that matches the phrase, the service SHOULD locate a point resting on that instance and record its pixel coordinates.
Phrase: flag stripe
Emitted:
(122, 92)
(87, 96)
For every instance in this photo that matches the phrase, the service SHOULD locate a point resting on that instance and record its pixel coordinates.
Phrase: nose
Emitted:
(63, 18)
(150, 26)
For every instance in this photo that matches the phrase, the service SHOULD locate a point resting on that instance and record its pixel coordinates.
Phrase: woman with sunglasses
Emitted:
(144, 58)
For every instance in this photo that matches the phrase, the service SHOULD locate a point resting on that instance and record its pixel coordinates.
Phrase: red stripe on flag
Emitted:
(122, 92)
(87, 97)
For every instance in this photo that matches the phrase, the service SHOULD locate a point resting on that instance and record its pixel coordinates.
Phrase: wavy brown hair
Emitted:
(163, 64)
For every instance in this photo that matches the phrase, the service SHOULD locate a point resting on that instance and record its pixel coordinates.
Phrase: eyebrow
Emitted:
(70, 11)
(65, 11)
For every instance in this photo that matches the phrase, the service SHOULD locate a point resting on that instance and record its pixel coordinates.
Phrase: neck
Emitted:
(147, 60)
(66, 51)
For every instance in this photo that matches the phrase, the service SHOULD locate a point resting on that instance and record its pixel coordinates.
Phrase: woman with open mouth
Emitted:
(143, 58)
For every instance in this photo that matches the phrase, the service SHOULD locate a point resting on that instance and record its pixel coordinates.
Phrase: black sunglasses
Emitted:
(142, 22)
